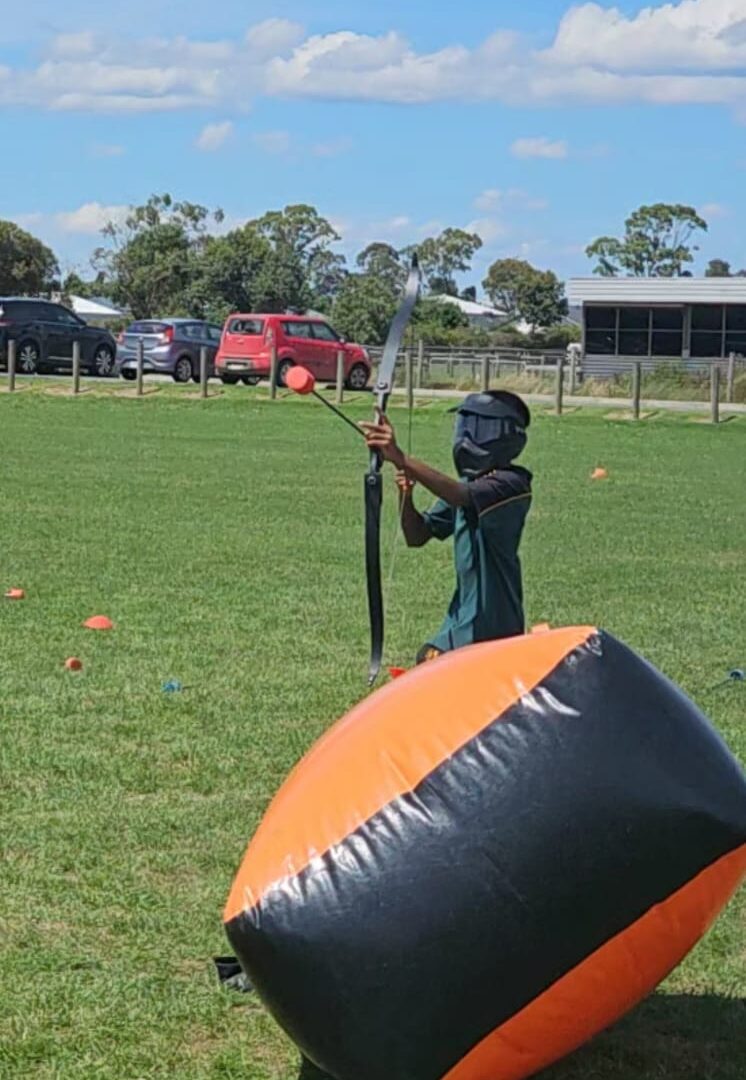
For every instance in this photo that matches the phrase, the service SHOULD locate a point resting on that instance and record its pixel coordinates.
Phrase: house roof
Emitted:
(94, 308)
(681, 290)
(469, 307)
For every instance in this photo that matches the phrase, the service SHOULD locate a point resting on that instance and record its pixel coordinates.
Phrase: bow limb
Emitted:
(374, 479)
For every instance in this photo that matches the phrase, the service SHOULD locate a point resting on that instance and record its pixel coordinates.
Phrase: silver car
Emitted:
(170, 347)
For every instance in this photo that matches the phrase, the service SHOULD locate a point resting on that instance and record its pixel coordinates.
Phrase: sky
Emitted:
(540, 126)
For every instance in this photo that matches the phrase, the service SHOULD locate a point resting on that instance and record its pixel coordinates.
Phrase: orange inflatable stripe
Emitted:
(608, 984)
(386, 747)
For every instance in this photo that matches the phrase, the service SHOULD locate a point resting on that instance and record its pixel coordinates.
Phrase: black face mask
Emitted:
(490, 433)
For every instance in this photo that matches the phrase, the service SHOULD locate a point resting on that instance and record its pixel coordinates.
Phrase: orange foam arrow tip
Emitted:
(541, 628)
(99, 622)
(300, 380)
(15, 594)
(73, 664)
(397, 672)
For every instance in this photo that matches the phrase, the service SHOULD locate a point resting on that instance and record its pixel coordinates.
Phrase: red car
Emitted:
(246, 349)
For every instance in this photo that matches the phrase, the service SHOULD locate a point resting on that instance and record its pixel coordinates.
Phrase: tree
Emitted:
(718, 268)
(444, 256)
(298, 239)
(225, 274)
(27, 267)
(522, 291)
(384, 262)
(656, 243)
(363, 309)
(150, 260)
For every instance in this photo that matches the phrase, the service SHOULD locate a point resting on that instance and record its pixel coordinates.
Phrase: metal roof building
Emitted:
(694, 321)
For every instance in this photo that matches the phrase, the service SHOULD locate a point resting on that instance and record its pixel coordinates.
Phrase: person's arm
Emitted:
(381, 437)
(416, 531)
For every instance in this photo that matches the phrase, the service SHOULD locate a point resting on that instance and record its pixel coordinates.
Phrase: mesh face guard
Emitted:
(490, 432)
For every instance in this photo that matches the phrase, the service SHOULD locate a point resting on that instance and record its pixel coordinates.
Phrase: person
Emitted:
(484, 510)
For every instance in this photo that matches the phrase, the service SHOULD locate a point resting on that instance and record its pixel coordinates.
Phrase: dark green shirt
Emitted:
(488, 602)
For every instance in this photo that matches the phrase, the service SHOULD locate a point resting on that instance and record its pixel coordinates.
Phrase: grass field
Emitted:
(225, 541)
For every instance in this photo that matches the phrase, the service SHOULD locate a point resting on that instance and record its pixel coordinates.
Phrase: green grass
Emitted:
(225, 541)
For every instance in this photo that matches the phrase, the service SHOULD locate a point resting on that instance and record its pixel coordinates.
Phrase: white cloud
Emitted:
(687, 51)
(272, 37)
(273, 142)
(108, 150)
(80, 44)
(689, 35)
(713, 210)
(213, 136)
(514, 198)
(539, 148)
(90, 218)
(489, 229)
(332, 148)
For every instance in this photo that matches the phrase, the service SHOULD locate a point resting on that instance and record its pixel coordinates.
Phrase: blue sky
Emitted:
(538, 125)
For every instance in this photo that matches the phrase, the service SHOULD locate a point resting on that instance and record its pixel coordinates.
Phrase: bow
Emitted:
(373, 477)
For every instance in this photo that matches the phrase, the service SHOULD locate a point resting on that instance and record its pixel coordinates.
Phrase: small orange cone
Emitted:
(99, 622)
(73, 664)
(600, 474)
(15, 594)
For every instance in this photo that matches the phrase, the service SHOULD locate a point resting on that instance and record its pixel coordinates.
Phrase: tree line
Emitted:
(177, 258)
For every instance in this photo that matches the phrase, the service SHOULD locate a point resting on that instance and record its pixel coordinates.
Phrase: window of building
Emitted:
(601, 330)
(667, 336)
(708, 326)
(735, 329)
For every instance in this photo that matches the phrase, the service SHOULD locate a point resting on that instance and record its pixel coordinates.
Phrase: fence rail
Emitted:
(437, 367)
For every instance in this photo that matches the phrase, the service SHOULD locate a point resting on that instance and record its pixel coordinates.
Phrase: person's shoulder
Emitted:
(499, 487)
(512, 479)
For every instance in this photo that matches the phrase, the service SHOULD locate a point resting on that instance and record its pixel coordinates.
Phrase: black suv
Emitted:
(44, 333)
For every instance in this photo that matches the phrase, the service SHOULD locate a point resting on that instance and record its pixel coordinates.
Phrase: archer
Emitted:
(484, 510)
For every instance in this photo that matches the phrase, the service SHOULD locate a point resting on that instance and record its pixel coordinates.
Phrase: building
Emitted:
(692, 321)
(481, 316)
(95, 310)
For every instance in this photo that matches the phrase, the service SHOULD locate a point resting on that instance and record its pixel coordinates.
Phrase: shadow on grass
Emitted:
(669, 1037)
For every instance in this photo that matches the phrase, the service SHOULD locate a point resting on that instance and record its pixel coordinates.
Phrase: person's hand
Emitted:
(382, 437)
(405, 484)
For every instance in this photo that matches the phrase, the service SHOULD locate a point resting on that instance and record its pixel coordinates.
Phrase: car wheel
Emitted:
(27, 358)
(250, 380)
(183, 370)
(282, 371)
(358, 377)
(103, 362)
(229, 380)
(128, 374)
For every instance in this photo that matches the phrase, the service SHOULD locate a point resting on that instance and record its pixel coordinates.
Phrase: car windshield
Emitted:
(246, 326)
(147, 328)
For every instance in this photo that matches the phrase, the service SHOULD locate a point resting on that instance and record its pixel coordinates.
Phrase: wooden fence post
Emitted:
(11, 365)
(715, 393)
(560, 395)
(340, 377)
(273, 371)
(76, 367)
(420, 362)
(636, 389)
(140, 365)
(203, 372)
(485, 374)
(731, 385)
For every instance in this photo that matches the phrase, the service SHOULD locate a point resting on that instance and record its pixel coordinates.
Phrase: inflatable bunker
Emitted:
(489, 861)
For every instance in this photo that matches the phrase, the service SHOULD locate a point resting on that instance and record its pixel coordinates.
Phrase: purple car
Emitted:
(170, 346)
